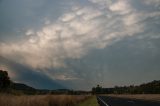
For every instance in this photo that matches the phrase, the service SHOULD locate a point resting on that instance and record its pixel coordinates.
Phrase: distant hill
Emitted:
(20, 86)
(17, 88)
(23, 88)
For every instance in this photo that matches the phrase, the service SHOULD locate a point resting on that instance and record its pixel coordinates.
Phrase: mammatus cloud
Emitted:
(76, 33)
(156, 3)
(121, 6)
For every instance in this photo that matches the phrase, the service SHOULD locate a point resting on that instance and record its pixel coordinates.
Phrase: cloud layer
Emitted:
(80, 30)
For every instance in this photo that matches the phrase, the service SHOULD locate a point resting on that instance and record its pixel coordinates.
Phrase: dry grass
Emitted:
(152, 97)
(41, 100)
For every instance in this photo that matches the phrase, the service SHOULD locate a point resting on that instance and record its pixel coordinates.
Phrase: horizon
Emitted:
(77, 44)
(92, 86)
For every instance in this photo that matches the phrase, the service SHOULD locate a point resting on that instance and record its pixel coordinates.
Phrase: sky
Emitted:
(77, 44)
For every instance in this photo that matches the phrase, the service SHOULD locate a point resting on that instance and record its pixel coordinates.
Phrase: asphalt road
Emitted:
(113, 101)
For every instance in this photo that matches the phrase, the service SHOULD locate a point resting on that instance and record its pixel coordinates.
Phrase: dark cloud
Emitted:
(29, 76)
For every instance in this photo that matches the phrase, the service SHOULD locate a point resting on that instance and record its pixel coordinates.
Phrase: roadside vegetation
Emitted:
(42, 100)
(89, 102)
(146, 88)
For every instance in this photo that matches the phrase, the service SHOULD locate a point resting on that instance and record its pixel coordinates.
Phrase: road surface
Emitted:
(113, 101)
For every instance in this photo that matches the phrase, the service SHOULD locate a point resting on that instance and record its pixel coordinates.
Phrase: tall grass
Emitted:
(41, 100)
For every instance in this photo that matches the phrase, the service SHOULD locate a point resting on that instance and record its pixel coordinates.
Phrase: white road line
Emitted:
(131, 101)
(103, 101)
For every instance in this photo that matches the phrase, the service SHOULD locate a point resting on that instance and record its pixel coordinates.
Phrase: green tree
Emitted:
(98, 89)
(93, 90)
(4, 79)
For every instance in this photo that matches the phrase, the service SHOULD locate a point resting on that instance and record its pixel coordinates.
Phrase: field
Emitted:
(152, 97)
(41, 100)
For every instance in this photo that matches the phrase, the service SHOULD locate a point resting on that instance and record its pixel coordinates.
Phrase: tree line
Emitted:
(146, 88)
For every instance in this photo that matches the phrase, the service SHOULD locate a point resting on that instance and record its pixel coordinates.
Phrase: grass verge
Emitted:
(92, 101)
(150, 97)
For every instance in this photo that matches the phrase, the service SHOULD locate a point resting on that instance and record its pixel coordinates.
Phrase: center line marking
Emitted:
(131, 101)
(103, 101)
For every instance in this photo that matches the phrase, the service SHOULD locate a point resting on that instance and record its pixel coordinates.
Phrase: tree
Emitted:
(4, 79)
(97, 90)
(93, 90)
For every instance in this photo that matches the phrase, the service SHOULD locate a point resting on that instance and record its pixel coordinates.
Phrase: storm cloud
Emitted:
(63, 40)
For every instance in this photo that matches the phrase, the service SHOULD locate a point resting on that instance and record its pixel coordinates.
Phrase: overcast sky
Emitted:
(78, 44)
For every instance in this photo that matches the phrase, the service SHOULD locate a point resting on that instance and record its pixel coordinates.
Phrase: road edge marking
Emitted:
(102, 101)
